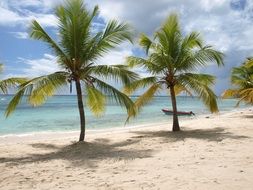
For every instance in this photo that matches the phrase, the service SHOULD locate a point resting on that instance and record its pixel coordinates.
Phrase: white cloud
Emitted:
(8, 17)
(38, 67)
(17, 13)
(209, 5)
(117, 56)
(225, 24)
(45, 20)
(215, 19)
(20, 35)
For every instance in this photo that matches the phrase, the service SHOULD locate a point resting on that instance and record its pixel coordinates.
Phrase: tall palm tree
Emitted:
(78, 50)
(242, 79)
(10, 82)
(172, 61)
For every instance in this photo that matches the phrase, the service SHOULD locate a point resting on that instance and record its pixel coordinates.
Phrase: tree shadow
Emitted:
(247, 116)
(215, 134)
(83, 153)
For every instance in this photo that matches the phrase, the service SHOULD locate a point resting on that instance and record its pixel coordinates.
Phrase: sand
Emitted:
(214, 152)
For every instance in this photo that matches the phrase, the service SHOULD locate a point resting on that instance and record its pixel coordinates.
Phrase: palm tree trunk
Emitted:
(81, 110)
(174, 106)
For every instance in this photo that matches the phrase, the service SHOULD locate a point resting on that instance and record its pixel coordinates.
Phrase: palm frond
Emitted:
(147, 96)
(179, 89)
(75, 23)
(115, 72)
(145, 42)
(242, 76)
(45, 86)
(116, 33)
(247, 95)
(116, 95)
(192, 40)
(15, 100)
(1, 68)
(143, 100)
(171, 24)
(38, 33)
(242, 79)
(208, 54)
(200, 84)
(143, 63)
(11, 82)
(249, 63)
(37, 90)
(136, 62)
(170, 37)
(229, 93)
(199, 58)
(113, 34)
(142, 83)
(95, 100)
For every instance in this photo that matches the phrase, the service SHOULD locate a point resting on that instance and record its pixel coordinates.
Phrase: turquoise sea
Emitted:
(60, 113)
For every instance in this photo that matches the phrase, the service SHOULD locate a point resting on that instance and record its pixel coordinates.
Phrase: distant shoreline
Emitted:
(219, 97)
(46, 135)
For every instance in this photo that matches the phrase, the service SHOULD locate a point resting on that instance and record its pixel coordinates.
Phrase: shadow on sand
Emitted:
(91, 153)
(248, 116)
(215, 134)
(83, 153)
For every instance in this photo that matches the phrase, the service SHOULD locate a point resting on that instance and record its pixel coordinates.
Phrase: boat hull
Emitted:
(179, 113)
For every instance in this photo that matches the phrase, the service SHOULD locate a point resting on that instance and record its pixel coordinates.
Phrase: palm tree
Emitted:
(10, 82)
(242, 79)
(78, 50)
(172, 61)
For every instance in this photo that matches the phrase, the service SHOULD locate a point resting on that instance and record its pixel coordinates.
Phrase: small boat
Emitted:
(179, 113)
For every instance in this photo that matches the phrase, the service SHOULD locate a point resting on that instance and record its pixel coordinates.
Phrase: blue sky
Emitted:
(225, 24)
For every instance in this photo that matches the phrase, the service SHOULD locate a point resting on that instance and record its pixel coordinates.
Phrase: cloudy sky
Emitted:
(225, 24)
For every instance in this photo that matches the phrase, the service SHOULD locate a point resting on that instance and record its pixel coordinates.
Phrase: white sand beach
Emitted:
(212, 152)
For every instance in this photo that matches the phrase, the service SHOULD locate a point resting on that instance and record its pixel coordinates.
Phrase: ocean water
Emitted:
(60, 113)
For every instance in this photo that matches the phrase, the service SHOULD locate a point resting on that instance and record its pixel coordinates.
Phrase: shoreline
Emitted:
(54, 135)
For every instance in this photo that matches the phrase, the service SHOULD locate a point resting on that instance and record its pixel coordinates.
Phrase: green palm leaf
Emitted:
(1, 68)
(115, 72)
(145, 42)
(116, 95)
(37, 90)
(143, 63)
(11, 83)
(200, 84)
(95, 100)
(142, 83)
(38, 33)
(242, 79)
(114, 34)
(247, 95)
(147, 96)
(230, 93)
(180, 88)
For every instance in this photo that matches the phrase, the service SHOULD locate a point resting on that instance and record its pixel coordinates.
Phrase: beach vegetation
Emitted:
(11, 82)
(173, 61)
(79, 46)
(242, 80)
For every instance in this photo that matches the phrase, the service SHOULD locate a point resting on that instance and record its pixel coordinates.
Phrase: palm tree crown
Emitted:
(242, 79)
(78, 51)
(172, 61)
